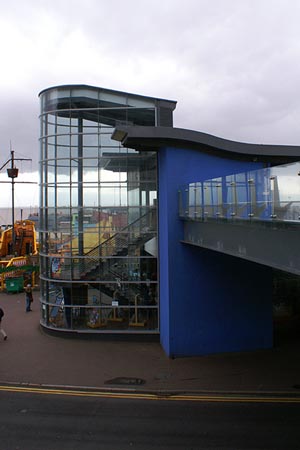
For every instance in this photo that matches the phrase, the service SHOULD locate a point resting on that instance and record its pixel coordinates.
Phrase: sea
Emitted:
(20, 213)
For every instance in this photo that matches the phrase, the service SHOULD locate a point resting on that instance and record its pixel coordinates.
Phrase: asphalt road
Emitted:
(30, 421)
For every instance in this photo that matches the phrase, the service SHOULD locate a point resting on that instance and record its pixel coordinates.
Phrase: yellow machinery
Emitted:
(19, 260)
(25, 239)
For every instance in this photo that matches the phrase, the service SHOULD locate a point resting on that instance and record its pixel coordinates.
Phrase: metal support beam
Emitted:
(275, 244)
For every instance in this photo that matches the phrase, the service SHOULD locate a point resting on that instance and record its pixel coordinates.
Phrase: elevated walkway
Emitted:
(274, 243)
(243, 215)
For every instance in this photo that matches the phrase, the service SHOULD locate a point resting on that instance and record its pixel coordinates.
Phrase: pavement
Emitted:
(32, 357)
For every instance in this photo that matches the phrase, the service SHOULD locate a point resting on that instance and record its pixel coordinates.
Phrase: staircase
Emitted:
(101, 263)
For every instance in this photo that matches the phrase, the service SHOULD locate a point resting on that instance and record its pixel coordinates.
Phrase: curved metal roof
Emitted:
(144, 138)
(112, 91)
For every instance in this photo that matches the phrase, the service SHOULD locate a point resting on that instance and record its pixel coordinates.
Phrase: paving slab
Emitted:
(31, 356)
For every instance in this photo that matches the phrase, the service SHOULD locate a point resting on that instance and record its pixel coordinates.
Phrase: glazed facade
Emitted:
(98, 216)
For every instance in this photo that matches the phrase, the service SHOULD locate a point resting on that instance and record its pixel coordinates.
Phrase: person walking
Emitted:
(1, 329)
(28, 297)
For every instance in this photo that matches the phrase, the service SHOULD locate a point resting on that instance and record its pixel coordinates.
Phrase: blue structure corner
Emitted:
(210, 302)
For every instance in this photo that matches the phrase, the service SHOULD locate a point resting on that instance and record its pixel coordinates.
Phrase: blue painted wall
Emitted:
(209, 302)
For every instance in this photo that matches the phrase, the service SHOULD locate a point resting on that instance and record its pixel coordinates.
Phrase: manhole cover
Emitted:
(126, 380)
(162, 376)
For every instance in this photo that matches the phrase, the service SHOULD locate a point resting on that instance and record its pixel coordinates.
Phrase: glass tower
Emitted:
(98, 220)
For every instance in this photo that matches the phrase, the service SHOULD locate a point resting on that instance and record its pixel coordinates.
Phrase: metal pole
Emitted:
(13, 203)
(13, 213)
(13, 173)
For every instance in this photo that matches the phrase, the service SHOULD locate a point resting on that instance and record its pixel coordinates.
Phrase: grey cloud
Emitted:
(232, 66)
(19, 130)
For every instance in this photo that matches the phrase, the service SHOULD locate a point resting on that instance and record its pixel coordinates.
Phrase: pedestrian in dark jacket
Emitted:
(28, 297)
(1, 329)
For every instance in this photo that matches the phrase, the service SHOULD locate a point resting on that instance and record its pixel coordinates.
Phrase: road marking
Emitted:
(230, 398)
(75, 393)
(233, 398)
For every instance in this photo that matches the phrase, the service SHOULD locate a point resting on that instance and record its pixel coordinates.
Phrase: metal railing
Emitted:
(119, 244)
(254, 195)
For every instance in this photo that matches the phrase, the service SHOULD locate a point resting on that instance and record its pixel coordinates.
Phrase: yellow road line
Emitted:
(75, 393)
(229, 398)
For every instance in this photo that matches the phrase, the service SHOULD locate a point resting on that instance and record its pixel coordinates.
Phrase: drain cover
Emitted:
(126, 381)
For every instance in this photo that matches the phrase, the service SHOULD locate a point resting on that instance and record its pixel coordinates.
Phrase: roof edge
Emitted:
(133, 136)
(99, 88)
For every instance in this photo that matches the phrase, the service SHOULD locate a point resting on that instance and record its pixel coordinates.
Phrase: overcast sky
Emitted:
(232, 65)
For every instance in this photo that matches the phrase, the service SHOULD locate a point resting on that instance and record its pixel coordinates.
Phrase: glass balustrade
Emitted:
(263, 194)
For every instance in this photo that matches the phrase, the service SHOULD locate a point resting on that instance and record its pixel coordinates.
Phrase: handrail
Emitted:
(119, 241)
(249, 195)
(137, 221)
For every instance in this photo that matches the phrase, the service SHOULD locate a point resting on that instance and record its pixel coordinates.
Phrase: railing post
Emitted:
(250, 196)
(180, 203)
(218, 186)
(186, 211)
(272, 191)
(234, 199)
(195, 201)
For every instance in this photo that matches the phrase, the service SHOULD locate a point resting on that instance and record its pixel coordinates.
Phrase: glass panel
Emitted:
(51, 192)
(263, 194)
(90, 196)
(74, 172)
(62, 129)
(63, 122)
(63, 140)
(74, 144)
(91, 140)
(141, 116)
(90, 170)
(56, 99)
(63, 171)
(89, 93)
(63, 196)
(106, 141)
(113, 98)
(51, 128)
(141, 102)
(63, 151)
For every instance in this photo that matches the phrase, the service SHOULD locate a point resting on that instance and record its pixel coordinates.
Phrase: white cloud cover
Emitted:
(232, 65)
